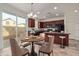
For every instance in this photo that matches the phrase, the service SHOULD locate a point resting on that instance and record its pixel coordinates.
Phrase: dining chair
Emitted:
(16, 50)
(42, 35)
(48, 49)
(22, 43)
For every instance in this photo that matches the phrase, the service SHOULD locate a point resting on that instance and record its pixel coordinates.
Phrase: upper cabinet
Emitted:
(50, 24)
(41, 24)
(31, 22)
(58, 25)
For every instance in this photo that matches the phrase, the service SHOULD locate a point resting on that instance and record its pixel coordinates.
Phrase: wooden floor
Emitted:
(72, 50)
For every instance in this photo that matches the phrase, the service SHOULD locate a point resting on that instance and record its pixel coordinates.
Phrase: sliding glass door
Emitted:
(8, 27)
(12, 26)
(21, 28)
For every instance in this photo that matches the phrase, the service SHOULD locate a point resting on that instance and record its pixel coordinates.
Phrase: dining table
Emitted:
(32, 39)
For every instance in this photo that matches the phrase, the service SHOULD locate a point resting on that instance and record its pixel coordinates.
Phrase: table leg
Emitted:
(33, 53)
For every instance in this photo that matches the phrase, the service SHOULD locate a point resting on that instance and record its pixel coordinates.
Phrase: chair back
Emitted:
(15, 48)
(42, 35)
(51, 42)
(21, 37)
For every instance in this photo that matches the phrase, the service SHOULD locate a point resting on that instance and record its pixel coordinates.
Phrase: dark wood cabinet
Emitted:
(41, 25)
(48, 24)
(31, 22)
(58, 25)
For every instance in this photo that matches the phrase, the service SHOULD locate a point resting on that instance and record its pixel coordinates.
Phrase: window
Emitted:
(21, 25)
(12, 26)
(9, 27)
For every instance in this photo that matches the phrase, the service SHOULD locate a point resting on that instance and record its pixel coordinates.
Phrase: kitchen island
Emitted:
(57, 39)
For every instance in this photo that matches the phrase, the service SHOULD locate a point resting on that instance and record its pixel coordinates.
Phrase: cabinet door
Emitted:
(41, 24)
(31, 22)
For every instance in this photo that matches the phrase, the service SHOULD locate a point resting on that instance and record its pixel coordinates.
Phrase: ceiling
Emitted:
(46, 9)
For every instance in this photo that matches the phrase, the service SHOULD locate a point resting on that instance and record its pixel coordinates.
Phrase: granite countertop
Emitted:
(55, 33)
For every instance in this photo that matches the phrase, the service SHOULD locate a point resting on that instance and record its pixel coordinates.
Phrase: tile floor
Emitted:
(72, 50)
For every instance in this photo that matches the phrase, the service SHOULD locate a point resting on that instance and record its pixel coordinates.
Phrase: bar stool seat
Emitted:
(62, 44)
(62, 37)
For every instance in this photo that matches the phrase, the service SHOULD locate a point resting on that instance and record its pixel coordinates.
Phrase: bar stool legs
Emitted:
(62, 44)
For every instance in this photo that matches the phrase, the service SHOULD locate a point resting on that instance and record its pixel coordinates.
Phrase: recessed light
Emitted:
(55, 7)
(57, 14)
(75, 11)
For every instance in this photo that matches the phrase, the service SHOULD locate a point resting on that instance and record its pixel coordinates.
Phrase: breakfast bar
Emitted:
(57, 39)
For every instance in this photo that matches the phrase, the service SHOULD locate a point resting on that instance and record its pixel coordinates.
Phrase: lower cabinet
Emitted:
(57, 39)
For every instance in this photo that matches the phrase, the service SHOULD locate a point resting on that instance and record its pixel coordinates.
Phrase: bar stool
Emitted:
(62, 39)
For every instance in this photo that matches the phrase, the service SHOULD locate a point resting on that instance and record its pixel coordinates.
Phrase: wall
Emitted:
(72, 21)
(36, 23)
(1, 38)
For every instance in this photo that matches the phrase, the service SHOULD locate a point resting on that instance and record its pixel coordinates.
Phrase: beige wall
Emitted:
(72, 21)
(1, 38)
(36, 24)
